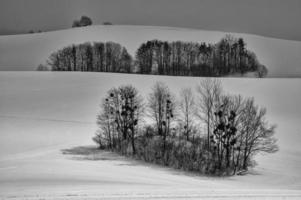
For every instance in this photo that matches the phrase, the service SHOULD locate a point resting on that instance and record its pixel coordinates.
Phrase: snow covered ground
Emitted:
(42, 113)
(26, 52)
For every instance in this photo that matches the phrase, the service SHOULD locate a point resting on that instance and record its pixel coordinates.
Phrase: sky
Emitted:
(273, 18)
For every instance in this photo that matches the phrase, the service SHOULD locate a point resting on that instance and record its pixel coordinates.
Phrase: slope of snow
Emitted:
(26, 52)
(42, 113)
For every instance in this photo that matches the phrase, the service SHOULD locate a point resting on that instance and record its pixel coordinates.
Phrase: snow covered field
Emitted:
(42, 113)
(26, 52)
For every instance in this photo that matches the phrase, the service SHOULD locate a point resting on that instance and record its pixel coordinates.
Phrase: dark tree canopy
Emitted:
(84, 21)
(107, 23)
(97, 57)
(228, 56)
(75, 24)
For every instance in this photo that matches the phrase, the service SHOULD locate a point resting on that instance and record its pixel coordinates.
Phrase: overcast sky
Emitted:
(277, 18)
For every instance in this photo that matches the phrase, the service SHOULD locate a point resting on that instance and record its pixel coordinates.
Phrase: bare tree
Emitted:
(187, 109)
(161, 105)
(121, 111)
(209, 93)
(225, 133)
(98, 139)
(257, 134)
(106, 119)
(129, 112)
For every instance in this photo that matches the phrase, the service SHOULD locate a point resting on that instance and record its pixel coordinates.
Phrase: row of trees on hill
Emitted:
(229, 56)
(86, 21)
(204, 130)
(101, 57)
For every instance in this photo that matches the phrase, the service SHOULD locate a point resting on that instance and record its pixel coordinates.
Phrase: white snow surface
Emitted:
(26, 52)
(42, 113)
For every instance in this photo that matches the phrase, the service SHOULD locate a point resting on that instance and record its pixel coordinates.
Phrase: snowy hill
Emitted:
(42, 113)
(26, 52)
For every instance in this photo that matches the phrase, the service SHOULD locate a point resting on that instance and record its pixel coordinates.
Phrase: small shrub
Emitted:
(42, 67)
(107, 23)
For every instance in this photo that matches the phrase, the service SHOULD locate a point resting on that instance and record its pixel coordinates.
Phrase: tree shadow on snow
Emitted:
(90, 153)
(93, 153)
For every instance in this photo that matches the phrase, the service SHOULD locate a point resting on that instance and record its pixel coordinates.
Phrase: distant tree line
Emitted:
(107, 23)
(229, 56)
(32, 31)
(97, 57)
(205, 130)
(86, 21)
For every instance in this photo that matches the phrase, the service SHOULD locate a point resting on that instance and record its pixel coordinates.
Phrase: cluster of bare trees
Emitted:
(204, 130)
(228, 56)
(101, 57)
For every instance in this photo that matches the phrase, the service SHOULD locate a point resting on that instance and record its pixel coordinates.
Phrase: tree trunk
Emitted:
(208, 130)
(133, 142)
